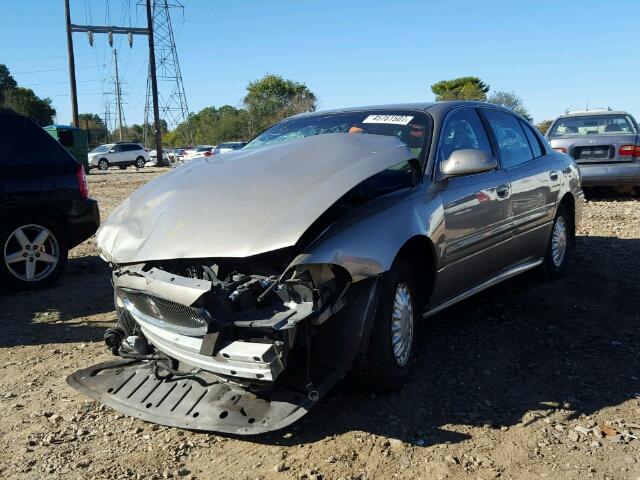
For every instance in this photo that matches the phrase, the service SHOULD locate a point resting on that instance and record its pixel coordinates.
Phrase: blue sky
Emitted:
(555, 55)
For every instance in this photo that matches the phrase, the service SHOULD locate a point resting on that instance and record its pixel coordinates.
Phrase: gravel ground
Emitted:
(528, 380)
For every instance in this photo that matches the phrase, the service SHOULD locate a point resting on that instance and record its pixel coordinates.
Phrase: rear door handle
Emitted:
(503, 191)
(553, 175)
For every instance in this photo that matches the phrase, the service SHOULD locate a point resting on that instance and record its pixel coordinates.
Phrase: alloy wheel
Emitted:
(31, 253)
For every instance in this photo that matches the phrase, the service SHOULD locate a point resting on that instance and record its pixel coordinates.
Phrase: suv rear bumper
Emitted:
(82, 221)
(610, 174)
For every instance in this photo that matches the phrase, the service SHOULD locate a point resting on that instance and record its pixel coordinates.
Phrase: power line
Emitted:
(51, 70)
(39, 58)
(57, 83)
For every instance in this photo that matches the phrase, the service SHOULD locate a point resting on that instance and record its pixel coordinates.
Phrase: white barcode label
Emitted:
(391, 119)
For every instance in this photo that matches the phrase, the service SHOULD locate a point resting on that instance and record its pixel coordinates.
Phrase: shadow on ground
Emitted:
(522, 346)
(68, 311)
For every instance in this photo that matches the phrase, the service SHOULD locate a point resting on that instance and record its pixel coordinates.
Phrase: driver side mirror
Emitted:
(468, 161)
(113, 150)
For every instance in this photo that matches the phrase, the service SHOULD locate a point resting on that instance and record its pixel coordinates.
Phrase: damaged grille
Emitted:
(164, 313)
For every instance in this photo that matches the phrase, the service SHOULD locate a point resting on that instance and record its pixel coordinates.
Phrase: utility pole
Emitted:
(110, 30)
(72, 67)
(173, 100)
(154, 87)
(118, 94)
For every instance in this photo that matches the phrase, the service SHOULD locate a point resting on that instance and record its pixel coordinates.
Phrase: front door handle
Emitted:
(553, 175)
(503, 191)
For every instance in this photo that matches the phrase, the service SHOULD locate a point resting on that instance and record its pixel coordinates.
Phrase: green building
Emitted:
(73, 139)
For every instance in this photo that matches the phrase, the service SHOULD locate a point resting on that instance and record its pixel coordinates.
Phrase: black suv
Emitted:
(45, 207)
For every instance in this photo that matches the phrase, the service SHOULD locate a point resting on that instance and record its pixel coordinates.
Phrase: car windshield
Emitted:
(101, 149)
(202, 149)
(584, 125)
(410, 127)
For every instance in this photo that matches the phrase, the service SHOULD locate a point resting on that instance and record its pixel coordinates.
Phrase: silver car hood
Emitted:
(245, 202)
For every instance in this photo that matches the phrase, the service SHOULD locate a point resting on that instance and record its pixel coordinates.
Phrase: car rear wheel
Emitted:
(559, 248)
(140, 162)
(103, 164)
(33, 254)
(393, 339)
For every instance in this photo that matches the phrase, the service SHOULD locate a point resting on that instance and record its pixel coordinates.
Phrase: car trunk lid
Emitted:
(596, 149)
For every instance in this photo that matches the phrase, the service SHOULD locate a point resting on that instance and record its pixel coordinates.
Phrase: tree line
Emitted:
(266, 101)
(23, 100)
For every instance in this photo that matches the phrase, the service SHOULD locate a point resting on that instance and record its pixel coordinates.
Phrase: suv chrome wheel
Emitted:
(103, 164)
(140, 162)
(559, 241)
(31, 253)
(402, 325)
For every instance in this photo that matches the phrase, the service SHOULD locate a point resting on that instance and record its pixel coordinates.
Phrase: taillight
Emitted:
(636, 151)
(560, 149)
(82, 182)
(626, 150)
(207, 154)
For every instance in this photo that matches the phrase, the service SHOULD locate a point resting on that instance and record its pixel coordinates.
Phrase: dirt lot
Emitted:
(516, 383)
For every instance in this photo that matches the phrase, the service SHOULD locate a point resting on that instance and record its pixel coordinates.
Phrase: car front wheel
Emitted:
(140, 162)
(33, 254)
(559, 247)
(103, 164)
(393, 339)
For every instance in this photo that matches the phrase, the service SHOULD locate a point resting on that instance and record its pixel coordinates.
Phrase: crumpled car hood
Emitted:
(246, 202)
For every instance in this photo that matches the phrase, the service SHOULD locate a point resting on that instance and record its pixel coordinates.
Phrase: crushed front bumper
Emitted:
(196, 402)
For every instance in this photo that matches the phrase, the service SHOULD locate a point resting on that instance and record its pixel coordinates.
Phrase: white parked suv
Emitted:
(120, 154)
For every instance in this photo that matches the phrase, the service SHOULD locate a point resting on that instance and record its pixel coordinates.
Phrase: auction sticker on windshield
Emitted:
(391, 119)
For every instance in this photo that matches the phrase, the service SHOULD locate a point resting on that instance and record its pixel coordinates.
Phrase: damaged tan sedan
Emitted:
(248, 284)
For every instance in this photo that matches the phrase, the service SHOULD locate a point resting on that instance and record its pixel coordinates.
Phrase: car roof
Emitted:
(438, 108)
(594, 112)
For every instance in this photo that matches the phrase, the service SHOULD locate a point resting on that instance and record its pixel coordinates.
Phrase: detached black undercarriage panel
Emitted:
(196, 402)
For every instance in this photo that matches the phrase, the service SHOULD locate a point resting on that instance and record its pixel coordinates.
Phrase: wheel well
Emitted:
(569, 203)
(53, 217)
(420, 253)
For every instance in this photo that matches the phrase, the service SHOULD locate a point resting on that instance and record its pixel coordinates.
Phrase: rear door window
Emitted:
(25, 144)
(512, 143)
(534, 141)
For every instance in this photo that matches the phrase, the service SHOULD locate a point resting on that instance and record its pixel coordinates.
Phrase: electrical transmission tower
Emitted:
(173, 101)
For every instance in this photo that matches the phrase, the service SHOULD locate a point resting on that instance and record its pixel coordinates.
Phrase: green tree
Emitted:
(544, 125)
(7, 82)
(91, 121)
(25, 102)
(463, 88)
(510, 100)
(272, 98)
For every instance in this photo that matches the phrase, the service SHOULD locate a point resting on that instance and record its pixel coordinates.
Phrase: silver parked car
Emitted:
(246, 285)
(605, 145)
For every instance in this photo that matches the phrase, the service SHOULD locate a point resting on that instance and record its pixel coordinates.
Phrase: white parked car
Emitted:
(120, 155)
(228, 147)
(198, 151)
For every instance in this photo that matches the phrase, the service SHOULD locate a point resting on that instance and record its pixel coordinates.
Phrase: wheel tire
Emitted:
(103, 164)
(384, 370)
(55, 244)
(140, 162)
(559, 247)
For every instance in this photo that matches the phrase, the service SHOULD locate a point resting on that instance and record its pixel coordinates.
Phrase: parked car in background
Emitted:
(316, 251)
(198, 151)
(167, 154)
(605, 145)
(227, 147)
(122, 154)
(45, 208)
